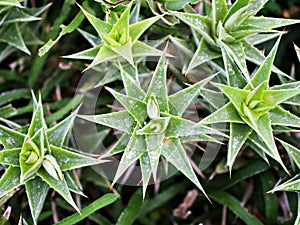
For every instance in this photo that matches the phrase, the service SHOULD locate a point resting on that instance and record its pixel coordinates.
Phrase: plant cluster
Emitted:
(212, 50)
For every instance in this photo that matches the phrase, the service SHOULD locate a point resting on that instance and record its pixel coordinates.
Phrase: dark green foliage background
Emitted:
(45, 74)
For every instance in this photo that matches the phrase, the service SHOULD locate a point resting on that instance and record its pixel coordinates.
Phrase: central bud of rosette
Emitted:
(254, 105)
(30, 152)
(157, 124)
(33, 156)
(118, 38)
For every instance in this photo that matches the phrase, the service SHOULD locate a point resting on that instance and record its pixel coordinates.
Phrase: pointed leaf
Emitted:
(199, 23)
(10, 157)
(36, 191)
(233, 20)
(153, 141)
(260, 38)
(264, 71)
(293, 152)
(290, 185)
(137, 29)
(264, 130)
(68, 160)
(10, 138)
(121, 120)
(295, 84)
(227, 113)
(36, 11)
(154, 156)
(234, 76)
(122, 24)
(59, 186)
(179, 127)
(104, 54)
(158, 85)
(146, 171)
(183, 98)
(235, 7)
(15, 16)
(136, 108)
(37, 121)
(125, 51)
(279, 116)
(219, 10)
(12, 36)
(131, 86)
(236, 51)
(11, 3)
(214, 98)
(92, 39)
(257, 5)
(58, 133)
(239, 133)
(10, 180)
(204, 53)
(275, 97)
(86, 54)
(268, 22)
(71, 184)
(247, 31)
(140, 49)
(258, 145)
(100, 26)
(236, 96)
(136, 147)
(257, 57)
(121, 144)
(174, 153)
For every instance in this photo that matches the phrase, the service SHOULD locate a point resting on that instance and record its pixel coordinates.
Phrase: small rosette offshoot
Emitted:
(38, 160)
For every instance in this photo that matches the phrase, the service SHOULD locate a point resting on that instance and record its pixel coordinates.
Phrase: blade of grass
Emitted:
(235, 206)
(162, 198)
(130, 213)
(88, 210)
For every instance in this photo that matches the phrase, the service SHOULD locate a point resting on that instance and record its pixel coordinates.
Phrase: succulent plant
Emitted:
(13, 33)
(235, 30)
(153, 125)
(252, 111)
(38, 160)
(120, 39)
